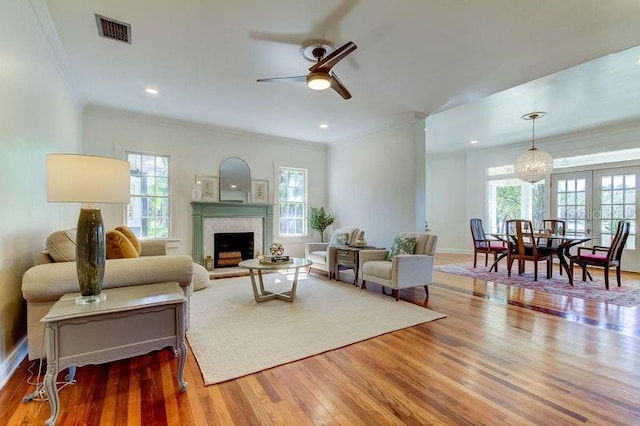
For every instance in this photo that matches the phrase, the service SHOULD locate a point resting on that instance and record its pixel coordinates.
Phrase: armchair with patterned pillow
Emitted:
(409, 263)
(324, 255)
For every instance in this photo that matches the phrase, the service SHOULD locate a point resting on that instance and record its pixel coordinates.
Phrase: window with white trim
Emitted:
(514, 199)
(148, 210)
(292, 197)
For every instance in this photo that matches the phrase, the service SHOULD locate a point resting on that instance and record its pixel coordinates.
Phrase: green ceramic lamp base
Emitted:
(90, 253)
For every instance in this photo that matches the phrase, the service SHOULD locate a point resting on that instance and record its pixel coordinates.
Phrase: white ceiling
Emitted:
(413, 56)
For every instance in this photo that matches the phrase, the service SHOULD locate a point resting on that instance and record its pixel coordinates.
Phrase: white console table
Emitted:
(131, 321)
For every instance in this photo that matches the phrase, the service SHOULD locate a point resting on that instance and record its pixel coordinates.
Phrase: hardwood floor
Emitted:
(502, 356)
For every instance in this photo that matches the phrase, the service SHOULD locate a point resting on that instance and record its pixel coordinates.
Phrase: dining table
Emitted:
(559, 244)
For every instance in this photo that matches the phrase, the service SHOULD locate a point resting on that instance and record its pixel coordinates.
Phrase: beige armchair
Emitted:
(324, 255)
(404, 270)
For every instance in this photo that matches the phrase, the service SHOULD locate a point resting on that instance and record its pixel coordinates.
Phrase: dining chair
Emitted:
(523, 247)
(556, 227)
(603, 257)
(482, 244)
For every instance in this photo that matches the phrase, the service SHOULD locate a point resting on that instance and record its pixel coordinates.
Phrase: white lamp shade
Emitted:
(533, 165)
(87, 179)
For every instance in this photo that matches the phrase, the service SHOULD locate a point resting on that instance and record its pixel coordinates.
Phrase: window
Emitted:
(148, 210)
(618, 203)
(292, 195)
(514, 199)
(571, 203)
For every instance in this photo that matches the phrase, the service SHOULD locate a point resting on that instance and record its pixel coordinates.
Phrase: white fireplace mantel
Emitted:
(204, 210)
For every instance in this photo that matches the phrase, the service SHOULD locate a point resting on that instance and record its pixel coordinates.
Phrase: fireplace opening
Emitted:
(230, 248)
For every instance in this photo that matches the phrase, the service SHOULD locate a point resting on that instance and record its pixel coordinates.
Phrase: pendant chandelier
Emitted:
(534, 164)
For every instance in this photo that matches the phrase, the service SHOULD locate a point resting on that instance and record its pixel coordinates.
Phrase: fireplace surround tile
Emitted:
(209, 218)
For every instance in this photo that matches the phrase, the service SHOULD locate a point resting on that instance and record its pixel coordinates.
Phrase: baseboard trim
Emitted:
(453, 251)
(9, 365)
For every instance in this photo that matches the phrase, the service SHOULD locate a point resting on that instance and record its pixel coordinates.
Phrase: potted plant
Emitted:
(320, 220)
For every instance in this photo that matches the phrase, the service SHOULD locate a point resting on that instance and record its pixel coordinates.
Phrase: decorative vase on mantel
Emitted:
(196, 192)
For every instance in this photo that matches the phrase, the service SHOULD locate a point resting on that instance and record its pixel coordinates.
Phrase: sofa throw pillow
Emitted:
(401, 245)
(118, 246)
(338, 239)
(127, 232)
(61, 245)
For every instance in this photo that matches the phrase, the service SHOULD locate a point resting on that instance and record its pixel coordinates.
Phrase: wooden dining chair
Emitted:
(523, 247)
(556, 227)
(482, 244)
(603, 257)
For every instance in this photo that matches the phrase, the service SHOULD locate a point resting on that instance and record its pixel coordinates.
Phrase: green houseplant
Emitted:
(320, 220)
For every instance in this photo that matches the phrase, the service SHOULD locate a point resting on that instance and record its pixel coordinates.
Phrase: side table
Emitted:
(348, 258)
(131, 321)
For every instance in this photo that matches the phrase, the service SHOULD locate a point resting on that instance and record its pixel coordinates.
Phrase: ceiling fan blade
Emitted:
(326, 63)
(296, 79)
(297, 39)
(337, 85)
(330, 26)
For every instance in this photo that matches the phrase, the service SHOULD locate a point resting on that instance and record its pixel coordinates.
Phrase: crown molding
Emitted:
(40, 17)
(193, 126)
(408, 119)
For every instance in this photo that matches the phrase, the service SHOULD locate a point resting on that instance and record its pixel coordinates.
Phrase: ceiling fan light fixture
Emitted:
(318, 81)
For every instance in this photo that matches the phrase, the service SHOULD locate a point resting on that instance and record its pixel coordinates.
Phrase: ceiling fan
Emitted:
(320, 76)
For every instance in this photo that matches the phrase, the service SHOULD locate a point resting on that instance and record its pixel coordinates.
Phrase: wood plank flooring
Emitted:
(502, 356)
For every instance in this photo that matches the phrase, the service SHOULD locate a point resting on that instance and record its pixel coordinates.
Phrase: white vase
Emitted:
(196, 192)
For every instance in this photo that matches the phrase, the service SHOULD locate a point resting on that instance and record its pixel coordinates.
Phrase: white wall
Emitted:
(38, 115)
(459, 173)
(200, 149)
(446, 198)
(377, 182)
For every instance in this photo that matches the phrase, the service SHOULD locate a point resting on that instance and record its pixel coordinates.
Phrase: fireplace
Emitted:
(216, 217)
(230, 248)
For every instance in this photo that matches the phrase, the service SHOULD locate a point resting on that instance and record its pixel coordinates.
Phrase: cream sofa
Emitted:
(45, 283)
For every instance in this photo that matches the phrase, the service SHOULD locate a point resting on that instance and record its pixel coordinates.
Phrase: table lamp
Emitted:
(76, 178)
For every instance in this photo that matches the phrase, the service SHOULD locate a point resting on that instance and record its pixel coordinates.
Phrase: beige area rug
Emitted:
(231, 335)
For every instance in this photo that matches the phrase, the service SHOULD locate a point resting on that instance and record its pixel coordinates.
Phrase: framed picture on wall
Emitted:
(259, 191)
(209, 187)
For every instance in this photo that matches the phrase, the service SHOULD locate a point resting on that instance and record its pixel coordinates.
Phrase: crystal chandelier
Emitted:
(534, 164)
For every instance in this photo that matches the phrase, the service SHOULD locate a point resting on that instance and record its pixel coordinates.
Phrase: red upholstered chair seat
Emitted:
(498, 246)
(601, 258)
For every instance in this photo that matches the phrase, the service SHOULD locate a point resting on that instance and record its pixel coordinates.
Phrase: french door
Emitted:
(593, 202)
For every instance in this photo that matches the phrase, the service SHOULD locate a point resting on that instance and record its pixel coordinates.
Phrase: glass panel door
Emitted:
(593, 202)
(616, 199)
(571, 201)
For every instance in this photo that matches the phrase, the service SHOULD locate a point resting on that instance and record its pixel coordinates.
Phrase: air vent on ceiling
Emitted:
(112, 29)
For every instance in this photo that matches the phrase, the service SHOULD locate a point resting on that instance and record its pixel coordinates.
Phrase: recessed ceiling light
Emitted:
(152, 91)
(324, 126)
(473, 142)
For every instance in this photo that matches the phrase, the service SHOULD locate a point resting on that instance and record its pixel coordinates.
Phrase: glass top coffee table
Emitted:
(262, 295)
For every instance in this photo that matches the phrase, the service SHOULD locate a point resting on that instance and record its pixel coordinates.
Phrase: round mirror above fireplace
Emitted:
(235, 180)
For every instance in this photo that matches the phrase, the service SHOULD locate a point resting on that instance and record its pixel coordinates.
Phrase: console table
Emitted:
(131, 321)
